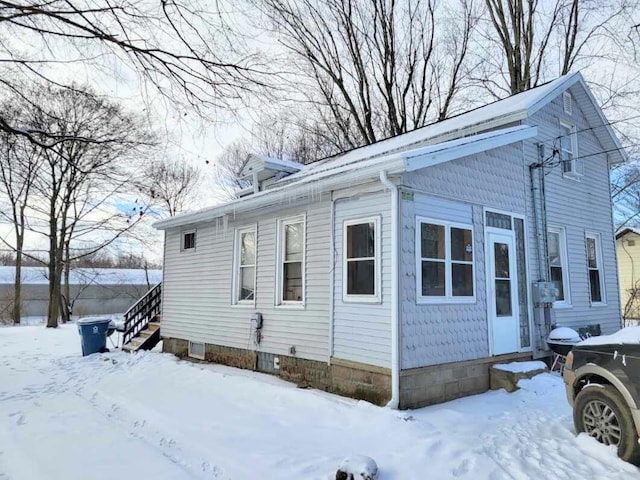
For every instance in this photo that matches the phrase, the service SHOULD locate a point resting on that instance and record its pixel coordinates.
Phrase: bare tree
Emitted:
(19, 168)
(84, 180)
(177, 47)
(373, 68)
(536, 41)
(171, 183)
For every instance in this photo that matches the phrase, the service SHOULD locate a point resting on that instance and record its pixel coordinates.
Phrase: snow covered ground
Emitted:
(150, 416)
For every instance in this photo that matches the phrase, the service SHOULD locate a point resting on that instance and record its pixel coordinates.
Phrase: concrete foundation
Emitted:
(424, 386)
(351, 379)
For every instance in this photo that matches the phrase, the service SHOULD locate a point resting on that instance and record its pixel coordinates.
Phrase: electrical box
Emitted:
(256, 321)
(544, 292)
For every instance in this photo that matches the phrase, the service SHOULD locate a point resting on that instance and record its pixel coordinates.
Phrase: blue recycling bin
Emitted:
(93, 334)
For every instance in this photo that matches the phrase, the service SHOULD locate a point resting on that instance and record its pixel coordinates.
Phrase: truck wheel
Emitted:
(601, 412)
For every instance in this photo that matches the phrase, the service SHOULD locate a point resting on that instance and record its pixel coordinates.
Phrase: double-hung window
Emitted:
(568, 148)
(594, 266)
(556, 248)
(245, 274)
(291, 273)
(361, 266)
(445, 269)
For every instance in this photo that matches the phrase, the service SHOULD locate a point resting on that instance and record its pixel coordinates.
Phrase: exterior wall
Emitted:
(628, 272)
(93, 300)
(197, 289)
(580, 206)
(343, 377)
(442, 333)
(362, 331)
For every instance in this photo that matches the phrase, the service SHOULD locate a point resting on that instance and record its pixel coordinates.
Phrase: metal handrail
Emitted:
(137, 318)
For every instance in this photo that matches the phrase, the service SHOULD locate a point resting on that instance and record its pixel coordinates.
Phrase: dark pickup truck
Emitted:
(602, 377)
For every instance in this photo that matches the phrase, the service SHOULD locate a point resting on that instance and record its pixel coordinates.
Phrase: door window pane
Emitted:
(432, 244)
(498, 220)
(501, 253)
(503, 298)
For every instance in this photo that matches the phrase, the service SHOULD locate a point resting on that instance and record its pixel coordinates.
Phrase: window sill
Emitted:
(562, 305)
(291, 306)
(361, 299)
(576, 177)
(244, 305)
(598, 304)
(444, 301)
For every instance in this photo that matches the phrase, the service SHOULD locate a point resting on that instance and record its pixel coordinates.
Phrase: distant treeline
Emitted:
(97, 260)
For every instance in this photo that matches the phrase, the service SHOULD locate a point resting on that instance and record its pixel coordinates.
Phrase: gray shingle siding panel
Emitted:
(362, 331)
(580, 207)
(197, 286)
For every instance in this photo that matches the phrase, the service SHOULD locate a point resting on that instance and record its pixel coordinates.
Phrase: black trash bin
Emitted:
(93, 335)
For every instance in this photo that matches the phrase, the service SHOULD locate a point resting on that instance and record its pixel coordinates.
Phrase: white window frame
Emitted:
(448, 296)
(184, 233)
(596, 237)
(564, 264)
(237, 258)
(193, 355)
(573, 136)
(377, 295)
(281, 224)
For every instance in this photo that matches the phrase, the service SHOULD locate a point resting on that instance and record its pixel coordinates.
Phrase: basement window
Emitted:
(196, 350)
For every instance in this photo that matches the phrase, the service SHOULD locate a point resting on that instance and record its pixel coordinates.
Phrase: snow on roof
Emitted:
(84, 276)
(628, 335)
(277, 162)
(625, 231)
(445, 133)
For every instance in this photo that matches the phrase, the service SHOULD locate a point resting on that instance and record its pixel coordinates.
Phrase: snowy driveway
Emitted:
(149, 416)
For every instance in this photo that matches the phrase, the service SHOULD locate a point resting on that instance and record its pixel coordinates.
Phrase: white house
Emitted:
(400, 271)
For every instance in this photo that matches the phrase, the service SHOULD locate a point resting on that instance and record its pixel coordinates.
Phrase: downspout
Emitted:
(395, 364)
(332, 271)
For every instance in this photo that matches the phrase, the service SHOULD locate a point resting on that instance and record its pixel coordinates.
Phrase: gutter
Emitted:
(395, 324)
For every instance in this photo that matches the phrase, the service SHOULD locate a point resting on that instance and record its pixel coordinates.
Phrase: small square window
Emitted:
(189, 240)
(196, 350)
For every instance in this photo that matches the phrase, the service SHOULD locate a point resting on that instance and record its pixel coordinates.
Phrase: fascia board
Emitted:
(442, 153)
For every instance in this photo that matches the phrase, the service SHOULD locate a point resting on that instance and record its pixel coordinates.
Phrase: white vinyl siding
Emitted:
(361, 260)
(197, 287)
(362, 331)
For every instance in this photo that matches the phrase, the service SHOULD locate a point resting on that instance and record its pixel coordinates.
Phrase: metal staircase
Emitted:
(142, 322)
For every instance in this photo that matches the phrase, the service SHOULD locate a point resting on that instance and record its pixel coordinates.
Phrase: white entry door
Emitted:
(502, 293)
